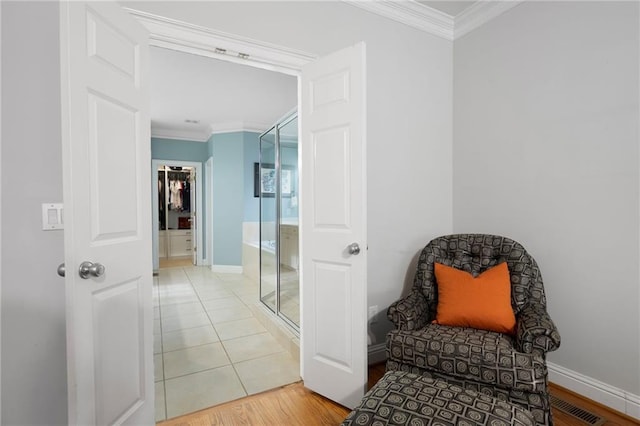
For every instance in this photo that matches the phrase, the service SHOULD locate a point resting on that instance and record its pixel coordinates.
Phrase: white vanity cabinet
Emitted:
(180, 242)
(175, 243)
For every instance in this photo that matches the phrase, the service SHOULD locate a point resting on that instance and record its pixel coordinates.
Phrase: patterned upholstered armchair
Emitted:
(509, 367)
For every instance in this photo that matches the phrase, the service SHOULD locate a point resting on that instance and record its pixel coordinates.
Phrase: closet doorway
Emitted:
(177, 213)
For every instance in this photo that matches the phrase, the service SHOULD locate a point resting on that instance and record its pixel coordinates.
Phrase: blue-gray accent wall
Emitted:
(234, 155)
(251, 156)
(227, 150)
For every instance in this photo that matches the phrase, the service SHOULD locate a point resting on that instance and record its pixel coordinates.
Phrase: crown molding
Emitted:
(171, 33)
(479, 14)
(204, 136)
(179, 134)
(432, 21)
(238, 126)
(411, 13)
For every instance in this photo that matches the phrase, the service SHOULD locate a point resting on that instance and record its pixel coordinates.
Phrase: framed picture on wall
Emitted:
(264, 180)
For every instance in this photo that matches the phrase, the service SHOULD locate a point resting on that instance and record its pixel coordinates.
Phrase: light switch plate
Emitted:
(52, 216)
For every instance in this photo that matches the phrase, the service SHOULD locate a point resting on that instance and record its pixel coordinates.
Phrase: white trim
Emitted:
(179, 134)
(411, 13)
(618, 399)
(155, 163)
(377, 353)
(208, 173)
(227, 269)
(204, 136)
(0, 212)
(203, 41)
(433, 21)
(479, 14)
(238, 126)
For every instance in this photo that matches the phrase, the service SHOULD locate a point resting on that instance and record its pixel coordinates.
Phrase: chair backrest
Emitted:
(475, 253)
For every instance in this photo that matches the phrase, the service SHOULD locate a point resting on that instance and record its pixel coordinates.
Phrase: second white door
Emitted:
(334, 226)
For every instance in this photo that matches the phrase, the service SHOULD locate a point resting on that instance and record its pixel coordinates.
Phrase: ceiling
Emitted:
(194, 96)
(214, 96)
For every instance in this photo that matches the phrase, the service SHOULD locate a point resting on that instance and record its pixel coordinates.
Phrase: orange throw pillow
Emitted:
(483, 302)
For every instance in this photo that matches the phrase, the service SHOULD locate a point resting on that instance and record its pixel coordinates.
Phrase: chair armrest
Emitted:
(536, 333)
(409, 313)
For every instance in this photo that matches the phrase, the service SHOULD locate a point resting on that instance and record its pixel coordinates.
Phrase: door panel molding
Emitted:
(105, 158)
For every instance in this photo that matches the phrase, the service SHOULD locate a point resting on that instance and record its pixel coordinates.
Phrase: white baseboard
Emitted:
(377, 353)
(615, 398)
(227, 269)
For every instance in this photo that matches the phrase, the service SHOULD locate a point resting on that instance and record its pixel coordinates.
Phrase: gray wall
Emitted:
(34, 373)
(546, 151)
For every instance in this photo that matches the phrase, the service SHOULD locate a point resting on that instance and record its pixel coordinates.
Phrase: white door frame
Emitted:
(208, 171)
(154, 202)
(202, 41)
(188, 38)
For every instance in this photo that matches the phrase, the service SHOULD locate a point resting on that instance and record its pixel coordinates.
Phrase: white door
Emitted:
(106, 180)
(194, 222)
(333, 217)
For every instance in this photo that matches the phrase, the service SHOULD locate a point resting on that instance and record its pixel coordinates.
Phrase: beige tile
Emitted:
(193, 360)
(205, 279)
(169, 311)
(173, 283)
(178, 298)
(231, 277)
(249, 298)
(201, 390)
(214, 294)
(173, 287)
(204, 286)
(185, 321)
(189, 337)
(197, 272)
(158, 371)
(157, 329)
(228, 314)
(161, 408)
(272, 371)
(250, 347)
(225, 302)
(239, 328)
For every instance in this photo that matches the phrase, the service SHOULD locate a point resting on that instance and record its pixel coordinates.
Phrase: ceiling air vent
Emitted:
(576, 412)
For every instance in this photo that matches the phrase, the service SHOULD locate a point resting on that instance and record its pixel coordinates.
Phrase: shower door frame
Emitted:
(286, 119)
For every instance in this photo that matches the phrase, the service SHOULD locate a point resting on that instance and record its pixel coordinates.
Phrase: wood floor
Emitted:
(296, 405)
(173, 262)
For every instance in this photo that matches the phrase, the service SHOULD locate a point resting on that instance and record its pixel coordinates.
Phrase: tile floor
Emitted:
(209, 348)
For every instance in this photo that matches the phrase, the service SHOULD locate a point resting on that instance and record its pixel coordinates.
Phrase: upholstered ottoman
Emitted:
(402, 398)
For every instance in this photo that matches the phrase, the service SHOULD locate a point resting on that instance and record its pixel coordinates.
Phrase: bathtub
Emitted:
(251, 251)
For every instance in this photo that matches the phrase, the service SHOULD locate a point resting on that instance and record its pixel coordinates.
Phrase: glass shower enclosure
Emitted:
(277, 177)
